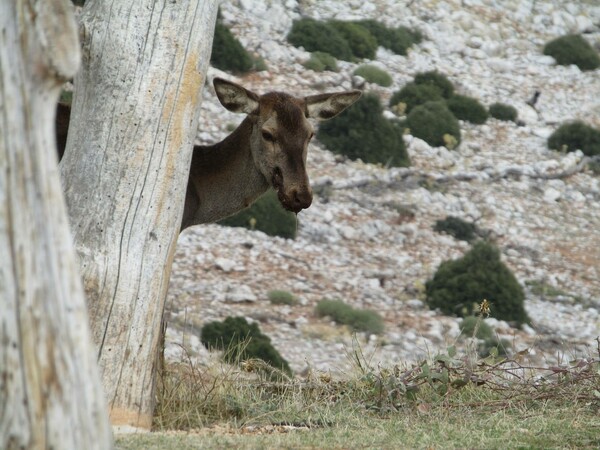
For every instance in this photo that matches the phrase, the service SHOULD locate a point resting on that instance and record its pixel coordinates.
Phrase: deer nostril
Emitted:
(302, 198)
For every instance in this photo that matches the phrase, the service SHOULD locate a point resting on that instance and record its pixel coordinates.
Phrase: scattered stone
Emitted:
(501, 176)
(239, 294)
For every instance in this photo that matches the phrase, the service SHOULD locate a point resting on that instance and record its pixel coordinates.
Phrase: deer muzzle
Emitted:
(294, 197)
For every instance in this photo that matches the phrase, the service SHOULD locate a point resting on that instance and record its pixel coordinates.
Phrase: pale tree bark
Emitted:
(135, 114)
(50, 391)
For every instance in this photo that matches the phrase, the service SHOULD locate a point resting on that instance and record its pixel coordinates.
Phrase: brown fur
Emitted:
(268, 149)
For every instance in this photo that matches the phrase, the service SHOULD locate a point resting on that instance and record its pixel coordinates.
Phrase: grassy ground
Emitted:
(448, 401)
(539, 426)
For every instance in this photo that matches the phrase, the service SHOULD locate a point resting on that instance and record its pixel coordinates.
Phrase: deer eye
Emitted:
(268, 136)
(312, 135)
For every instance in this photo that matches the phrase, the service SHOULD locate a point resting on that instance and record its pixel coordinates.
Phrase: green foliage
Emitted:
(502, 111)
(435, 124)
(435, 78)
(227, 52)
(374, 74)
(278, 297)
(319, 36)
(351, 40)
(240, 341)
(472, 326)
(357, 319)
(362, 132)
(467, 108)
(457, 228)
(413, 94)
(576, 135)
(594, 167)
(361, 41)
(398, 40)
(573, 49)
(459, 285)
(266, 215)
(66, 97)
(320, 61)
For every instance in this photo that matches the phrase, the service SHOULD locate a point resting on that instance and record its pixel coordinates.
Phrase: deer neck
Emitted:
(223, 178)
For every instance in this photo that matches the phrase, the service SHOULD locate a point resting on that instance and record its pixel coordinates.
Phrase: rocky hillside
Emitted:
(368, 239)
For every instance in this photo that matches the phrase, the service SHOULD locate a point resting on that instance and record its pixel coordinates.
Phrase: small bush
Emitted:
(504, 112)
(457, 228)
(320, 61)
(374, 74)
(467, 108)
(469, 324)
(240, 341)
(437, 79)
(282, 298)
(398, 40)
(459, 285)
(413, 94)
(266, 215)
(227, 52)
(361, 41)
(435, 124)
(576, 136)
(319, 36)
(573, 49)
(66, 97)
(357, 319)
(351, 40)
(476, 327)
(594, 166)
(362, 132)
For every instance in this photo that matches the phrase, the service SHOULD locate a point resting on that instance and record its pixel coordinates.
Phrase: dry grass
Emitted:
(446, 401)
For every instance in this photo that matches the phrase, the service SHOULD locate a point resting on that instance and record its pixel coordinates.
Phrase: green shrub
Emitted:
(459, 285)
(504, 112)
(573, 49)
(469, 324)
(266, 215)
(362, 132)
(361, 41)
(357, 319)
(320, 61)
(435, 124)
(576, 136)
(416, 35)
(240, 341)
(319, 36)
(282, 298)
(594, 167)
(337, 310)
(398, 40)
(467, 108)
(437, 79)
(66, 97)
(374, 74)
(412, 95)
(457, 228)
(227, 52)
(488, 344)
(351, 40)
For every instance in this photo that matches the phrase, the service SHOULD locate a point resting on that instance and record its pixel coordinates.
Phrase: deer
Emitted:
(267, 150)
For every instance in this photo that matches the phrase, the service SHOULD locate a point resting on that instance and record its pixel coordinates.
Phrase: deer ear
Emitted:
(326, 106)
(235, 97)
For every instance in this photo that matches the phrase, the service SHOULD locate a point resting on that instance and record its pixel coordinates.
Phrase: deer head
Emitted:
(280, 134)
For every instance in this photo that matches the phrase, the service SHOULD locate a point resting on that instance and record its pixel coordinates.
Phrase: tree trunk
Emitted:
(135, 114)
(50, 391)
